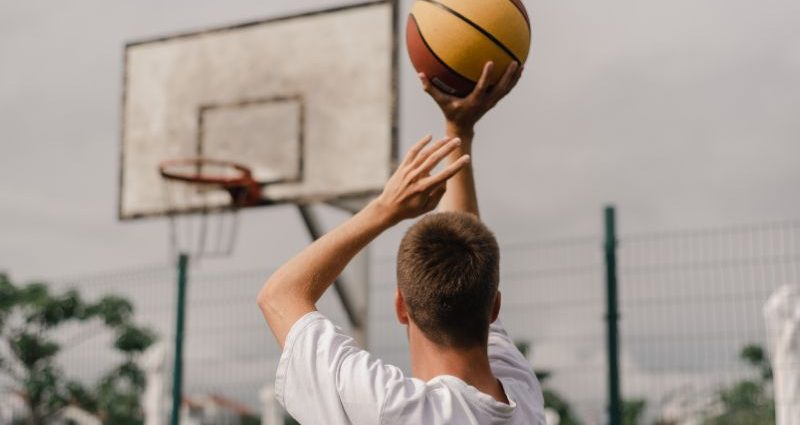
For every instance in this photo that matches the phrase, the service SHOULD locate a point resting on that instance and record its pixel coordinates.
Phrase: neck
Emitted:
(471, 365)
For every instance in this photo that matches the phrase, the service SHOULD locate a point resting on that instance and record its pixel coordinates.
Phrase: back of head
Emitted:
(448, 268)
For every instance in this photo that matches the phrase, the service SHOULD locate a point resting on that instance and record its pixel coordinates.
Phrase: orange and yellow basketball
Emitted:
(451, 40)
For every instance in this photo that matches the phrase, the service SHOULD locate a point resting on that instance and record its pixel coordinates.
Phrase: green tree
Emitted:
(30, 318)
(749, 401)
(633, 411)
(554, 400)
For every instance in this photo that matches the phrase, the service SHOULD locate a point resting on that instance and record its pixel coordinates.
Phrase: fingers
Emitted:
(450, 171)
(415, 150)
(508, 79)
(438, 155)
(423, 156)
(437, 95)
(505, 85)
(482, 87)
(518, 75)
(515, 78)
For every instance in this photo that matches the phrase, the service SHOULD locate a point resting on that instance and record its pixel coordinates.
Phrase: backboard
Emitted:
(308, 102)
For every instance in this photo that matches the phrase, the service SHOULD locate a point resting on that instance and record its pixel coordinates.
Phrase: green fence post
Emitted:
(177, 373)
(612, 319)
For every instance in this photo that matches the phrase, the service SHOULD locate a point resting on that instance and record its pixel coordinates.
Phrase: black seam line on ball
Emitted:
(523, 13)
(477, 27)
(428, 46)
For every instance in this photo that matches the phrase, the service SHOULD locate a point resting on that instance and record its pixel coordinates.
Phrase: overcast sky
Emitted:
(683, 113)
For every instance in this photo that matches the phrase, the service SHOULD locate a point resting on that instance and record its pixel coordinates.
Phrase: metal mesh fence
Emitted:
(690, 301)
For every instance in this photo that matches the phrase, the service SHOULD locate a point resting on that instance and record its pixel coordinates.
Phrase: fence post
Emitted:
(612, 318)
(177, 372)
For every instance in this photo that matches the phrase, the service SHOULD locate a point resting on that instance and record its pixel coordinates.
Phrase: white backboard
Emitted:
(307, 101)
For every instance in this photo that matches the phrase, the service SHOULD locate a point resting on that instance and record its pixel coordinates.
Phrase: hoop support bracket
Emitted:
(315, 230)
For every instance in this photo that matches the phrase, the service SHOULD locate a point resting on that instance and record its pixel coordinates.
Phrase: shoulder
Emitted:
(315, 345)
(507, 361)
(308, 335)
(528, 398)
(324, 377)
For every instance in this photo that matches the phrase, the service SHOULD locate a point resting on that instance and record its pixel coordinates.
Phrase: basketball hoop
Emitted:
(235, 178)
(207, 231)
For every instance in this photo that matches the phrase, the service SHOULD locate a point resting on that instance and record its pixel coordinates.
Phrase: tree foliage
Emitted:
(30, 318)
(633, 411)
(749, 401)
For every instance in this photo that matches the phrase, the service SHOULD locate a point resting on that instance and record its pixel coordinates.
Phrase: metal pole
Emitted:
(315, 230)
(612, 319)
(358, 286)
(177, 375)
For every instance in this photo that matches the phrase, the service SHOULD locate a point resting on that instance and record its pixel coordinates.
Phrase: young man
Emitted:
(464, 370)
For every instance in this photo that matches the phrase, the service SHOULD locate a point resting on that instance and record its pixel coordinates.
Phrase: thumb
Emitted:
(431, 89)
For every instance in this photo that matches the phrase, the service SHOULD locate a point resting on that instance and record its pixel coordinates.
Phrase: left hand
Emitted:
(412, 190)
(463, 113)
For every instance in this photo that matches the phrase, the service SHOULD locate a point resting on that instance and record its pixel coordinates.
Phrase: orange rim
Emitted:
(244, 190)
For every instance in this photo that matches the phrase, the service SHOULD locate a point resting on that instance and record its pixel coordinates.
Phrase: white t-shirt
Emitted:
(323, 378)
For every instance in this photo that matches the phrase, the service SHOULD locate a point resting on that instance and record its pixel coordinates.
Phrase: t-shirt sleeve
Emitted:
(324, 378)
(506, 360)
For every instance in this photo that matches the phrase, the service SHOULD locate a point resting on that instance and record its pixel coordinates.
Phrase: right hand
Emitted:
(463, 113)
(412, 190)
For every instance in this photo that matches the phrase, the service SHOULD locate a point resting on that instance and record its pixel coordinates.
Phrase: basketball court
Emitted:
(174, 153)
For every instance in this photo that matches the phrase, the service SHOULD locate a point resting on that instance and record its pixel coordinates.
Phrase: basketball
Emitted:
(451, 40)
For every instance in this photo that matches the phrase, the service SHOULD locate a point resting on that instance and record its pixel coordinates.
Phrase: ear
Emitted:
(496, 307)
(400, 307)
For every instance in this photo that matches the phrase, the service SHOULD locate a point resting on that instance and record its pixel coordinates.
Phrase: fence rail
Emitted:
(690, 301)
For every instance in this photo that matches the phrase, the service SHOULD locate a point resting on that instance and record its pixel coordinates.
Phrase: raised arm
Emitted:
(294, 289)
(461, 115)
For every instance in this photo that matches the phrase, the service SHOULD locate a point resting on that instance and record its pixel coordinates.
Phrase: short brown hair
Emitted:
(448, 269)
